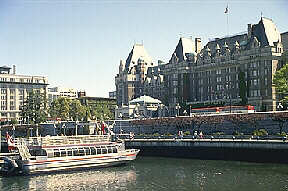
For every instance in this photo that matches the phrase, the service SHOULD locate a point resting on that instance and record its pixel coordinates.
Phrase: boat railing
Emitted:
(62, 140)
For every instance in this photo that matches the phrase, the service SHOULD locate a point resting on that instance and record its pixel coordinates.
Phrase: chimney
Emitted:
(121, 66)
(249, 31)
(198, 45)
(14, 69)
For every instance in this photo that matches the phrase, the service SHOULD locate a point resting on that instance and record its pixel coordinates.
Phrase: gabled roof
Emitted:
(138, 51)
(185, 45)
(266, 32)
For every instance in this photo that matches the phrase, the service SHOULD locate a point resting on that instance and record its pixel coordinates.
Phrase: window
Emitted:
(69, 152)
(93, 150)
(109, 150)
(254, 73)
(255, 82)
(104, 151)
(81, 152)
(63, 153)
(87, 150)
(75, 152)
(56, 153)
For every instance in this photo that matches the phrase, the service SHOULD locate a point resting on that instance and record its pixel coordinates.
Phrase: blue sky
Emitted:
(79, 43)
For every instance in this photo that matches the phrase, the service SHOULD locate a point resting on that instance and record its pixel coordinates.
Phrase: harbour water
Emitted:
(156, 173)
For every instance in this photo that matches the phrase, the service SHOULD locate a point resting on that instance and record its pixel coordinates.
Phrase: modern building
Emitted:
(15, 89)
(55, 92)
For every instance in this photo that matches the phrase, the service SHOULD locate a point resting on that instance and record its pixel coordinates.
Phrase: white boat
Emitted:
(63, 153)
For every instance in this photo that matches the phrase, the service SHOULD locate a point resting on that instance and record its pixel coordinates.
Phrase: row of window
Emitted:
(81, 151)
(22, 80)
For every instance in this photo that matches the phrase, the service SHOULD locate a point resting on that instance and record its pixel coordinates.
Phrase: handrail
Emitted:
(61, 140)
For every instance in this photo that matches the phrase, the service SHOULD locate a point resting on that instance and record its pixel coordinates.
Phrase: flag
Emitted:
(10, 142)
(226, 10)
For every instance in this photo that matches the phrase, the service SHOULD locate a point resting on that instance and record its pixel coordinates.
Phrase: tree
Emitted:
(242, 88)
(280, 82)
(34, 110)
(77, 112)
(281, 118)
(60, 108)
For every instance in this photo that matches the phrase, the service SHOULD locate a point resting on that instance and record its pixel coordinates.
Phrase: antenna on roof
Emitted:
(142, 42)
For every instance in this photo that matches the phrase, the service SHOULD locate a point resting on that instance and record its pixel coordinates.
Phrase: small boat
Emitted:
(36, 155)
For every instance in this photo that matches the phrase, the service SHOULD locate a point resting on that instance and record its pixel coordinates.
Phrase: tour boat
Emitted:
(35, 155)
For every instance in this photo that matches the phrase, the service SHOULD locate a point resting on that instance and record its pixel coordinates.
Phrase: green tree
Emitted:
(60, 108)
(242, 88)
(34, 110)
(77, 112)
(280, 82)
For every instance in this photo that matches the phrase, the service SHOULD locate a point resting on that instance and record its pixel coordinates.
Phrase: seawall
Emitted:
(273, 151)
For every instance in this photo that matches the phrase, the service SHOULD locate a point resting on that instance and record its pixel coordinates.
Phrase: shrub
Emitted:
(156, 134)
(219, 133)
(260, 132)
(187, 133)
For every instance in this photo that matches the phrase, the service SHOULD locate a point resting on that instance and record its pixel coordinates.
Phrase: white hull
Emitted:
(78, 162)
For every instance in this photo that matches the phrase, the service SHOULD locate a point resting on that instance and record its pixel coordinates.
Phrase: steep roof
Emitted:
(138, 51)
(185, 45)
(266, 32)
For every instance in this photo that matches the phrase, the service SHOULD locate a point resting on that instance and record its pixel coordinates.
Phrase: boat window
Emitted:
(81, 152)
(63, 153)
(87, 150)
(56, 153)
(109, 150)
(69, 152)
(32, 152)
(93, 150)
(50, 153)
(104, 151)
(98, 151)
(114, 150)
(75, 151)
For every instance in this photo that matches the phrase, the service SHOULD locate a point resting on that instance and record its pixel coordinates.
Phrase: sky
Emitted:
(79, 43)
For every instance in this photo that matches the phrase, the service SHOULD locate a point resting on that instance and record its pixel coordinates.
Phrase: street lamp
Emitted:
(177, 107)
(120, 116)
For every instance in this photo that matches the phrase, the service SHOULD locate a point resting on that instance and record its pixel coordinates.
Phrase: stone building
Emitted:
(236, 69)
(130, 79)
(15, 89)
(176, 73)
(248, 60)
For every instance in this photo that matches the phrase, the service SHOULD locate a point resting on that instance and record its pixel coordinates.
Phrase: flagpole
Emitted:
(227, 19)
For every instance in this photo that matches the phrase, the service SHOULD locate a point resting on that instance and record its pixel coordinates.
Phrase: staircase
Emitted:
(23, 150)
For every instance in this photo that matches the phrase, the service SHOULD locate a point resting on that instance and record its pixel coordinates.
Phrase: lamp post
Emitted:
(177, 107)
(120, 116)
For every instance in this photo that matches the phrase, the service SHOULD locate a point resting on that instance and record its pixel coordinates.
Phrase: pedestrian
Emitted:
(201, 135)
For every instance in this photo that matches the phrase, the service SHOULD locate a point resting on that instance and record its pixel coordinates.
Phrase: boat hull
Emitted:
(78, 163)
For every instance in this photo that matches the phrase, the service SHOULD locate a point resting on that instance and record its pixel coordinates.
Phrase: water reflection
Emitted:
(155, 173)
(102, 179)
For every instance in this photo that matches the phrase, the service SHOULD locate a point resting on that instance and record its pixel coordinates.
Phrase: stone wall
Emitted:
(226, 128)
